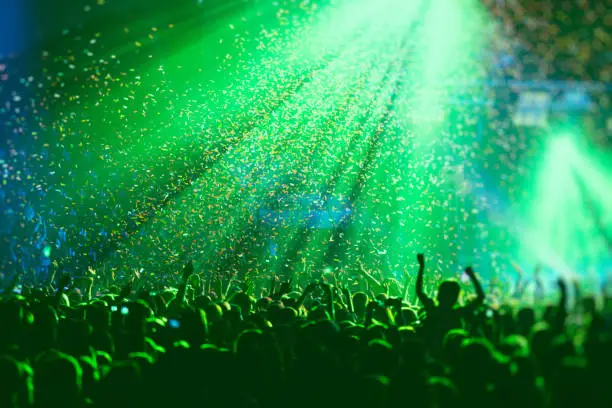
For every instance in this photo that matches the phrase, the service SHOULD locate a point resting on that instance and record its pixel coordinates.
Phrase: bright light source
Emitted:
(562, 147)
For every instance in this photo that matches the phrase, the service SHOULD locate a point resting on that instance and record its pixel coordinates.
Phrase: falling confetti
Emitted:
(287, 134)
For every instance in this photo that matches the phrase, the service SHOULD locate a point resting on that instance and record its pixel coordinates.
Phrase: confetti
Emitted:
(292, 137)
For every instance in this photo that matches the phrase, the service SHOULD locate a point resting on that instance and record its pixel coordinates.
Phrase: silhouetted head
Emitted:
(57, 380)
(448, 293)
(525, 319)
(379, 358)
(121, 386)
(360, 301)
(248, 341)
(245, 302)
(408, 316)
(16, 380)
(515, 345)
(444, 391)
(476, 363)
(451, 345)
(375, 391)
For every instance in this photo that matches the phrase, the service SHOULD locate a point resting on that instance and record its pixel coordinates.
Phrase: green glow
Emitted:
(328, 131)
(352, 96)
(564, 233)
(562, 149)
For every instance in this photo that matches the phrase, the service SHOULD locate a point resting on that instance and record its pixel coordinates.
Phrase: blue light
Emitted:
(12, 27)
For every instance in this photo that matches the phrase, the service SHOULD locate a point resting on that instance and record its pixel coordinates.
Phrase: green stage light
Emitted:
(562, 148)
(569, 212)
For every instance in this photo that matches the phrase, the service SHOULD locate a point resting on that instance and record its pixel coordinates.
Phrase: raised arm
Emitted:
(480, 295)
(579, 297)
(273, 280)
(561, 314)
(64, 281)
(425, 300)
(349, 298)
(406, 286)
(228, 288)
(329, 295)
(563, 292)
(605, 282)
(539, 285)
(187, 272)
(308, 290)
(85, 284)
(126, 291)
(370, 279)
(519, 285)
(285, 287)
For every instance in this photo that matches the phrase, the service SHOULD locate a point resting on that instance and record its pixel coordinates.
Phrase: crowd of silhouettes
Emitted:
(323, 343)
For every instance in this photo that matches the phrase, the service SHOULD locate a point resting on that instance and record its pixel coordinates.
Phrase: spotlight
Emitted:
(563, 146)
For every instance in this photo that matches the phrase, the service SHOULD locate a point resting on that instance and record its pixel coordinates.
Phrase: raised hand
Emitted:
(311, 287)
(421, 260)
(562, 315)
(480, 295)
(188, 270)
(248, 285)
(64, 281)
(326, 287)
(421, 295)
(286, 287)
(386, 285)
(561, 285)
(329, 294)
